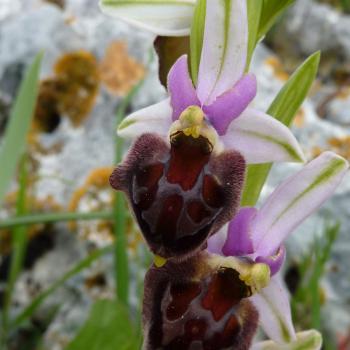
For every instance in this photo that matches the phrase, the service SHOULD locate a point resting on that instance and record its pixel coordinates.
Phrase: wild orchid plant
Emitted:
(211, 284)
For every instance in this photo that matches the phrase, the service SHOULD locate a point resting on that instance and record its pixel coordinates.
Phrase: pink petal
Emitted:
(274, 261)
(239, 242)
(274, 310)
(231, 104)
(261, 138)
(224, 50)
(296, 199)
(180, 87)
(217, 241)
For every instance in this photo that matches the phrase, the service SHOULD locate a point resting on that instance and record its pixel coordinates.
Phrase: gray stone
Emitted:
(311, 26)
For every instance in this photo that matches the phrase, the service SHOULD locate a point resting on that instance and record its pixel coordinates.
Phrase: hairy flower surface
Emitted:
(200, 304)
(258, 234)
(179, 194)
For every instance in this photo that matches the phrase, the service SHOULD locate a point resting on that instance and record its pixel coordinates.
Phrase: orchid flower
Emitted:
(184, 175)
(258, 234)
(168, 18)
(202, 303)
(221, 96)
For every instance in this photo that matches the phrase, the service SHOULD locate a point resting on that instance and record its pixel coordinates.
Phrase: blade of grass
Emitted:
(19, 242)
(307, 299)
(254, 13)
(18, 126)
(322, 248)
(80, 266)
(54, 217)
(271, 10)
(283, 108)
(196, 39)
(345, 5)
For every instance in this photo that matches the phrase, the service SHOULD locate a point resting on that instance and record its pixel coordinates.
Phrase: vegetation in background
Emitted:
(305, 282)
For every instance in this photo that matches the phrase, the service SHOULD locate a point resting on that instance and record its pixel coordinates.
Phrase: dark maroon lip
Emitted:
(180, 194)
(191, 305)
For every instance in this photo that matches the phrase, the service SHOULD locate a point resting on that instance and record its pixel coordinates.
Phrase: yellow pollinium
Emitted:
(159, 261)
(256, 276)
(192, 123)
(191, 120)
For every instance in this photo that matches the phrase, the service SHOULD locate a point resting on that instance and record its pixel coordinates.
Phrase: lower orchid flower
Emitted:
(258, 234)
(202, 303)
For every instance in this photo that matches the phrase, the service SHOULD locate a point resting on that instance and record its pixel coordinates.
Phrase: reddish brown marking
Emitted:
(225, 290)
(169, 216)
(195, 329)
(182, 295)
(212, 192)
(188, 156)
(147, 178)
(197, 211)
(149, 175)
(162, 182)
(232, 329)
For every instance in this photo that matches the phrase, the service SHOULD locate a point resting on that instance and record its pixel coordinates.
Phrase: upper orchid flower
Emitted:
(169, 17)
(185, 173)
(222, 96)
(259, 234)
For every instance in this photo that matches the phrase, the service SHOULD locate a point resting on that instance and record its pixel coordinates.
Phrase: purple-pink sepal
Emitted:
(275, 262)
(239, 241)
(180, 87)
(232, 103)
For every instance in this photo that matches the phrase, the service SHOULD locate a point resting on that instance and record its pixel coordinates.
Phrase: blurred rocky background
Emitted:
(91, 63)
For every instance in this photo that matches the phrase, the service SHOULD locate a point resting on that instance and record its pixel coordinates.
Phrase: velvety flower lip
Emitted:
(223, 92)
(201, 303)
(259, 234)
(180, 194)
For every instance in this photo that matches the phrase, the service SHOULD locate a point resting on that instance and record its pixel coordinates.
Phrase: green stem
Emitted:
(19, 242)
(34, 219)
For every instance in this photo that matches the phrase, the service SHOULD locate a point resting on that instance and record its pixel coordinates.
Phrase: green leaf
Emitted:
(254, 13)
(271, 10)
(33, 219)
(196, 39)
(283, 108)
(108, 327)
(18, 126)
